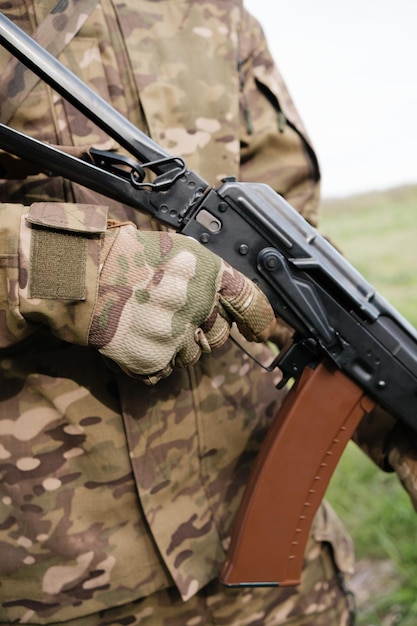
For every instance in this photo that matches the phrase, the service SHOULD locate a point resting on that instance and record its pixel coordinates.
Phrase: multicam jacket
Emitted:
(111, 490)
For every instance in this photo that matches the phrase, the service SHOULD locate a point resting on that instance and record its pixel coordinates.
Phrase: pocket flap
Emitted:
(78, 218)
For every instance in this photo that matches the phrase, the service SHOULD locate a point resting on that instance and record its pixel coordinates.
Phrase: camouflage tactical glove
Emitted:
(158, 300)
(163, 299)
(391, 445)
(402, 457)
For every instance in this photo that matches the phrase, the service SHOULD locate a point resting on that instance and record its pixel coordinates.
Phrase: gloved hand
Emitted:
(391, 445)
(402, 457)
(164, 299)
(146, 300)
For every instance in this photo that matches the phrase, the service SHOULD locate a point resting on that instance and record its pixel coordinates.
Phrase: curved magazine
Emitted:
(290, 477)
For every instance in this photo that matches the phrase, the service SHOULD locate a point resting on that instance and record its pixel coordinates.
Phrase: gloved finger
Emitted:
(211, 335)
(247, 305)
(215, 330)
(281, 334)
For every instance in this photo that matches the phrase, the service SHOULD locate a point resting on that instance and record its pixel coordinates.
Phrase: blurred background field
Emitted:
(377, 233)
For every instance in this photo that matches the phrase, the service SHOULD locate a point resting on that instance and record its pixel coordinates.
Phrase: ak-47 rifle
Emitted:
(351, 348)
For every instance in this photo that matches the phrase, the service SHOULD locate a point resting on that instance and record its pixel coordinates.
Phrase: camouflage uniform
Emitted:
(117, 499)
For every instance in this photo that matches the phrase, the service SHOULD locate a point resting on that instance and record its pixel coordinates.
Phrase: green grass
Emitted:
(377, 233)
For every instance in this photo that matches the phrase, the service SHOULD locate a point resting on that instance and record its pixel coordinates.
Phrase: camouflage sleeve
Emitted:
(59, 253)
(275, 146)
(68, 248)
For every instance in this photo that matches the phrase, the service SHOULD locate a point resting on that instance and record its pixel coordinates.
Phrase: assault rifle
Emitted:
(351, 348)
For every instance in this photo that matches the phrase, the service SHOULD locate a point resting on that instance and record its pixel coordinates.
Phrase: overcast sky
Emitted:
(351, 68)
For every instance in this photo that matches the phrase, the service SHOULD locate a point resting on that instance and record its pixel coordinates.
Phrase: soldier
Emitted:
(117, 496)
